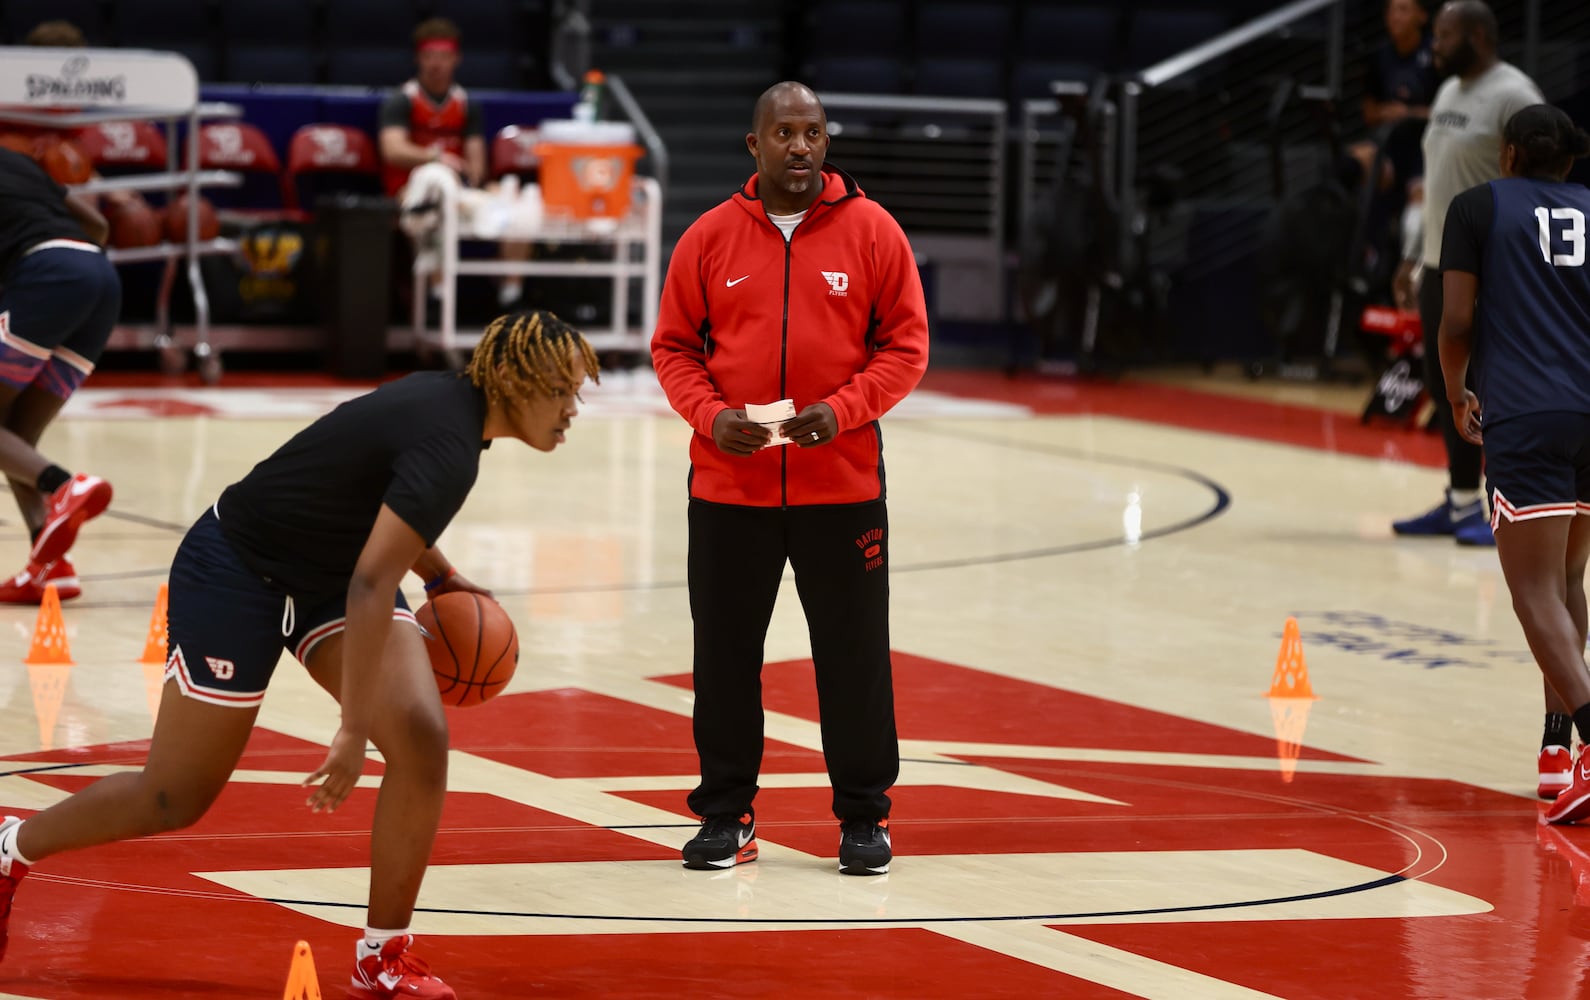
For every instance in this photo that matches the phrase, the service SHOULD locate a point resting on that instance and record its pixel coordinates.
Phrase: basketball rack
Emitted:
(636, 241)
(64, 88)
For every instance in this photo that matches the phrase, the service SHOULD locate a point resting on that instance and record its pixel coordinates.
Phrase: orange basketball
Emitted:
(132, 223)
(473, 647)
(62, 160)
(177, 219)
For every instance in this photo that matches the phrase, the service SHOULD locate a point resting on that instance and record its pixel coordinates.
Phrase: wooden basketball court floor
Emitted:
(1097, 799)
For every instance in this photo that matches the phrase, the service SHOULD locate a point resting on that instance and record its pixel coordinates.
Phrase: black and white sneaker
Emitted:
(864, 847)
(722, 842)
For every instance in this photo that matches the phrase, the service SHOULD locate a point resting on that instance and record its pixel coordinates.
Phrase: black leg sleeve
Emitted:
(735, 563)
(841, 560)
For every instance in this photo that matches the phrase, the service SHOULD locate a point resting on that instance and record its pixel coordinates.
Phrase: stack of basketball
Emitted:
(176, 217)
(132, 222)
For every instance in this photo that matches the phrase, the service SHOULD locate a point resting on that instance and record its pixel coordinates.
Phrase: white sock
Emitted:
(8, 845)
(374, 939)
(1464, 498)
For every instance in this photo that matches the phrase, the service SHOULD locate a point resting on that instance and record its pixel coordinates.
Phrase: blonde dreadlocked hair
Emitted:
(529, 353)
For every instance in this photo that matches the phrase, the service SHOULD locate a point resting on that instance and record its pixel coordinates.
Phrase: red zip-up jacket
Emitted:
(835, 316)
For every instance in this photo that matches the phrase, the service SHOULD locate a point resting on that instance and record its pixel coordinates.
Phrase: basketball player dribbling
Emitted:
(306, 553)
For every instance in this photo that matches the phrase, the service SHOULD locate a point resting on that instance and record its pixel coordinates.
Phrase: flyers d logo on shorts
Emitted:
(838, 282)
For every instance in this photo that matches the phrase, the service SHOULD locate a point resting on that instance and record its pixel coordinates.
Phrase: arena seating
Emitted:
(299, 42)
(996, 49)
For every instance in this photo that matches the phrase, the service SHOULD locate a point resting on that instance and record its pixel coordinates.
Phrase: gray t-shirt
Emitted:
(1463, 143)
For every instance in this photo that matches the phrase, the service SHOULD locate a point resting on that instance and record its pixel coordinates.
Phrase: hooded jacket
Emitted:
(835, 315)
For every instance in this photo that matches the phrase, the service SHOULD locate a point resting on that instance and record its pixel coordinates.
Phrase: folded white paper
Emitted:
(772, 416)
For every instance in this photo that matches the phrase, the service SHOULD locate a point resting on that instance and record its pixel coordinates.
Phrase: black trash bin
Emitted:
(356, 255)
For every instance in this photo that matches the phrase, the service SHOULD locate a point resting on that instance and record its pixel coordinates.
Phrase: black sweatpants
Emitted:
(841, 562)
(1463, 460)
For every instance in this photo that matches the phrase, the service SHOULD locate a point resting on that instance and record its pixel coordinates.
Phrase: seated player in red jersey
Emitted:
(431, 119)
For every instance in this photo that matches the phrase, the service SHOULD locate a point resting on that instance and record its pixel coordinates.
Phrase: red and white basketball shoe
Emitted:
(81, 498)
(1556, 771)
(396, 973)
(1573, 804)
(11, 873)
(27, 587)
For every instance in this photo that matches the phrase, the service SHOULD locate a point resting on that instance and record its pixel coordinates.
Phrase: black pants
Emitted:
(841, 563)
(1463, 460)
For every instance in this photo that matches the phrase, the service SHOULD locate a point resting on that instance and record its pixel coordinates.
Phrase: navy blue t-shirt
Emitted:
(1526, 240)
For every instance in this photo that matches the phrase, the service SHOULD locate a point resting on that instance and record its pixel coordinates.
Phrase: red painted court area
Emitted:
(1199, 410)
(133, 921)
(1049, 842)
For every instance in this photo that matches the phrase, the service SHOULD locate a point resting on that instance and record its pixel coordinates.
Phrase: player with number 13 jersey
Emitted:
(1517, 290)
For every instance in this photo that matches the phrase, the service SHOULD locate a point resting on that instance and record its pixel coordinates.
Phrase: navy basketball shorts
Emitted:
(58, 306)
(1538, 465)
(226, 628)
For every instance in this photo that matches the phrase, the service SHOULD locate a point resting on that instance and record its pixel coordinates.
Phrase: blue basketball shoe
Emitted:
(1443, 519)
(1475, 529)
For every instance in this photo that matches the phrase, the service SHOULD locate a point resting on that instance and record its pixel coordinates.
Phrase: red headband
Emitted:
(438, 45)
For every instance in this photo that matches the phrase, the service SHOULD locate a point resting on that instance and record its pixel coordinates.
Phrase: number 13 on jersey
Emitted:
(1563, 227)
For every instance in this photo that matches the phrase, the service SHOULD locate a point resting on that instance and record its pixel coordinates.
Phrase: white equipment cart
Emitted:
(439, 213)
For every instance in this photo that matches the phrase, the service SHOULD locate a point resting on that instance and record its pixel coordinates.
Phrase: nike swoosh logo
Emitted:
(744, 837)
(731, 284)
(81, 486)
(1584, 772)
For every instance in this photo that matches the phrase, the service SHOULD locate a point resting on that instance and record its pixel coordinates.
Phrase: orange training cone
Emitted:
(155, 644)
(1291, 672)
(303, 983)
(49, 634)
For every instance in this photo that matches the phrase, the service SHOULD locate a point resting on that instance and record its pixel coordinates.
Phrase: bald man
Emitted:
(1462, 148)
(800, 291)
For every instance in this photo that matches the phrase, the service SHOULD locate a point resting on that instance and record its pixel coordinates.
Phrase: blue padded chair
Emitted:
(369, 67)
(270, 42)
(855, 28)
(370, 24)
(959, 77)
(963, 31)
(1070, 34)
(1159, 34)
(491, 69)
(856, 75)
(272, 64)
